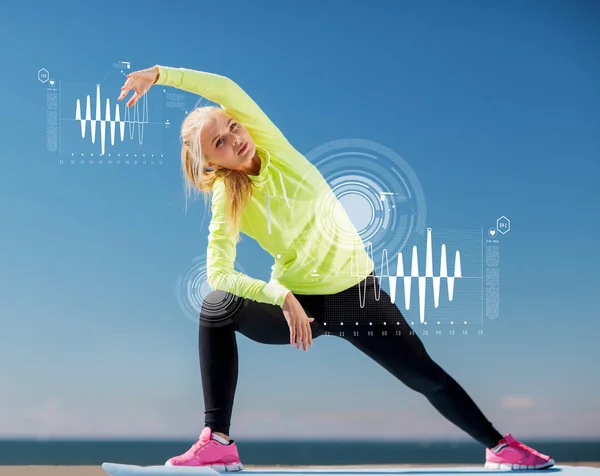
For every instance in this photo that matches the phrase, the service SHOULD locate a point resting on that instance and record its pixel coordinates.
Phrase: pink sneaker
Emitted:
(209, 452)
(516, 455)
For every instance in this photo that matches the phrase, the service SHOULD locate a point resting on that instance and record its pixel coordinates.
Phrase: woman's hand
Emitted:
(140, 81)
(299, 322)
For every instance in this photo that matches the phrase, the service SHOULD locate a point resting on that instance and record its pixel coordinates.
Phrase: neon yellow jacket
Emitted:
(293, 214)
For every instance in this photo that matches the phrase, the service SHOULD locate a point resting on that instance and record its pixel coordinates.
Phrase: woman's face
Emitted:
(226, 143)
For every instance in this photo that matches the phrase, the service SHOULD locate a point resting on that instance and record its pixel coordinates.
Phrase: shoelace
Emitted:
(523, 446)
(199, 444)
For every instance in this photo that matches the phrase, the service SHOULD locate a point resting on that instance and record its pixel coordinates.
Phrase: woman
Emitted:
(261, 186)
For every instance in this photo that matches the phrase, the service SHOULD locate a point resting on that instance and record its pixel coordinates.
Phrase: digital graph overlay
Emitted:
(198, 300)
(378, 190)
(436, 283)
(492, 266)
(88, 124)
(406, 273)
(135, 124)
(95, 124)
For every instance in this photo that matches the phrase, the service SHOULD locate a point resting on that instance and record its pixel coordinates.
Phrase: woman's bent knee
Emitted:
(219, 309)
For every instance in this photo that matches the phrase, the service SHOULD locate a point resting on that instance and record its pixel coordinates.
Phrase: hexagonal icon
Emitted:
(503, 225)
(43, 75)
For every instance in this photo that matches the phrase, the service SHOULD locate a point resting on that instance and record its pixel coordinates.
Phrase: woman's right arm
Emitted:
(222, 276)
(221, 253)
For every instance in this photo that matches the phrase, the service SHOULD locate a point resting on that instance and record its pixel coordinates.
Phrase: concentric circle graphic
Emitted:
(199, 302)
(379, 191)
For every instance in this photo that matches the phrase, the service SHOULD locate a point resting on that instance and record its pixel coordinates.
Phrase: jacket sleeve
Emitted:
(231, 97)
(221, 254)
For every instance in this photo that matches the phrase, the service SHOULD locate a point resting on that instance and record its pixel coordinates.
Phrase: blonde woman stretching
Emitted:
(261, 186)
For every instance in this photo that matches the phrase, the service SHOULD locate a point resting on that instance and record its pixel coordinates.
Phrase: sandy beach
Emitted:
(97, 470)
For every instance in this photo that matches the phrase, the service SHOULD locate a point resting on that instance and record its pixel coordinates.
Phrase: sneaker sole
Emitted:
(220, 467)
(518, 467)
(227, 468)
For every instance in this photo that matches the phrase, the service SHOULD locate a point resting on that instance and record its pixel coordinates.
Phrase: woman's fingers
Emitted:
(126, 87)
(300, 330)
(134, 98)
(138, 86)
(124, 90)
(304, 338)
(302, 342)
(296, 334)
(299, 334)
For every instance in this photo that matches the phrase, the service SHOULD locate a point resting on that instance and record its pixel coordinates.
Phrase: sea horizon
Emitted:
(290, 439)
(55, 451)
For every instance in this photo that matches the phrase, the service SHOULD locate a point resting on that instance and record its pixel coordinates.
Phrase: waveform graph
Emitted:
(134, 124)
(94, 124)
(436, 280)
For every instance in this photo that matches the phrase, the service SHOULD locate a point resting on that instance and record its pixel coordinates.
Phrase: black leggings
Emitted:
(401, 352)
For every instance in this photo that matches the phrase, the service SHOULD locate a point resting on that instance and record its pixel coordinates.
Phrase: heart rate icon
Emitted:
(492, 232)
(52, 82)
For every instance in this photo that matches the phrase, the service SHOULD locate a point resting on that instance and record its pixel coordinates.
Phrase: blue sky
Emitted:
(494, 105)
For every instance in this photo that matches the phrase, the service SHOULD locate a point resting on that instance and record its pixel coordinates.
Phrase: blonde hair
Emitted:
(199, 177)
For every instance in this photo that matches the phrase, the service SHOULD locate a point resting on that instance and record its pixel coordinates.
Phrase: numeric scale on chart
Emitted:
(88, 123)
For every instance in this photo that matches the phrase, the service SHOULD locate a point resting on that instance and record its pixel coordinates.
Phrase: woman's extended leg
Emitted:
(402, 353)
